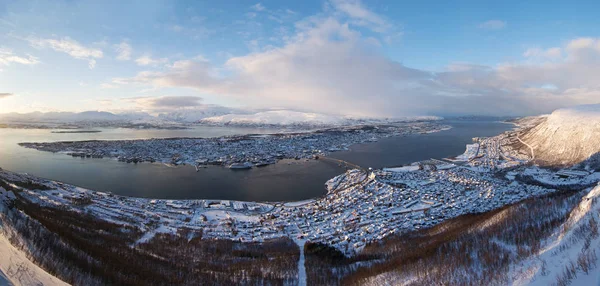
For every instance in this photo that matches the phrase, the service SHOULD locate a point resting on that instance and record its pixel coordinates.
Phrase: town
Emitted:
(236, 152)
(360, 207)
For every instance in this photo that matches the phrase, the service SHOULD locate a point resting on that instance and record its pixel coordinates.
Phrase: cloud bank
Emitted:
(165, 103)
(333, 64)
(5, 94)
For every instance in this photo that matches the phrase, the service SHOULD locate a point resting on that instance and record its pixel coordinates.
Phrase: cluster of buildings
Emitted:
(235, 151)
(360, 207)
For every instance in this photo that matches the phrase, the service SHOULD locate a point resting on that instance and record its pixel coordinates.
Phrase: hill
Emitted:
(567, 136)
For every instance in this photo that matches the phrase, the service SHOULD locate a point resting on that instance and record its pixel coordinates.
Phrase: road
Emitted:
(530, 148)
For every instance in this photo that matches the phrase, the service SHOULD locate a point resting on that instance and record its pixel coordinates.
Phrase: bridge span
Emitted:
(342, 162)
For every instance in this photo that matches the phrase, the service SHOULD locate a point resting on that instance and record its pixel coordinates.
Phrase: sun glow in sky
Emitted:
(363, 58)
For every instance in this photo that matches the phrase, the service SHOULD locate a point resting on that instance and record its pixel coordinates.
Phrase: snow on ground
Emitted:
(150, 234)
(221, 215)
(565, 248)
(567, 136)
(18, 270)
(469, 154)
(298, 203)
(301, 265)
(409, 168)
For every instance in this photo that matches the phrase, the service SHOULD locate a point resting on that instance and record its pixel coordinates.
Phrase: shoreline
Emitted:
(363, 206)
(255, 149)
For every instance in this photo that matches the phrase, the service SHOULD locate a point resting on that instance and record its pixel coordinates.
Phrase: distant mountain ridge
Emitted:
(211, 115)
(72, 116)
(296, 118)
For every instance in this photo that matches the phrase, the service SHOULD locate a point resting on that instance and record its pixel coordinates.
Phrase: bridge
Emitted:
(342, 162)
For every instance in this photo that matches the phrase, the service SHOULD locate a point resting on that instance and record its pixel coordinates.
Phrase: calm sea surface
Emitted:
(287, 180)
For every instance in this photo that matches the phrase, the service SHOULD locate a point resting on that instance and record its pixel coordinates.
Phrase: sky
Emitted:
(342, 57)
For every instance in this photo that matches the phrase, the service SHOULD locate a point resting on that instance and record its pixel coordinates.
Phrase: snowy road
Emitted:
(301, 265)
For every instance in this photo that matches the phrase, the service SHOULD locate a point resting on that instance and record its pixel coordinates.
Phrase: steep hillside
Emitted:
(570, 256)
(15, 267)
(567, 136)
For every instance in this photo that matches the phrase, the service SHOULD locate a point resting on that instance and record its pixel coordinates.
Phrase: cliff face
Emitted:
(567, 136)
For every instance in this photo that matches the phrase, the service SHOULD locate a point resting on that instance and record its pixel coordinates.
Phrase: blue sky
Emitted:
(369, 58)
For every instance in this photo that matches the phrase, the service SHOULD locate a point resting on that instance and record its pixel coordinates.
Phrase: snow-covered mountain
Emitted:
(568, 257)
(209, 115)
(296, 118)
(68, 117)
(194, 115)
(567, 136)
(278, 117)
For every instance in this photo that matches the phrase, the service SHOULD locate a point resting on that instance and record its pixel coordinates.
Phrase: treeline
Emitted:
(83, 250)
(474, 249)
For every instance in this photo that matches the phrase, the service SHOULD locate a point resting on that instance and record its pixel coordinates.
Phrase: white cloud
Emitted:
(70, 47)
(493, 25)
(550, 53)
(361, 15)
(195, 73)
(176, 28)
(167, 102)
(258, 7)
(124, 51)
(147, 60)
(327, 68)
(330, 67)
(7, 57)
(582, 43)
(91, 63)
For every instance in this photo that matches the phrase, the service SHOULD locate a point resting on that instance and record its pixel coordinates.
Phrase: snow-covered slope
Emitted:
(15, 268)
(194, 115)
(19, 270)
(207, 114)
(567, 136)
(570, 257)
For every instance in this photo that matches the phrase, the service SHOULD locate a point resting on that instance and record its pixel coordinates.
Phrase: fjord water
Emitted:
(396, 151)
(287, 180)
